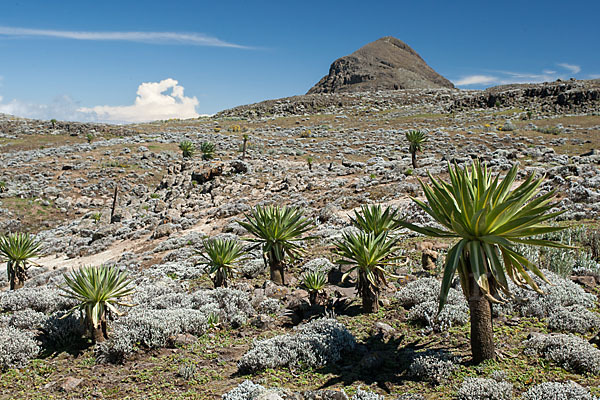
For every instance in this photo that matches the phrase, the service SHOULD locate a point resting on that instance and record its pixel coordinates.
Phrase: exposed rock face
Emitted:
(572, 96)
(385, 64)
(558, 96)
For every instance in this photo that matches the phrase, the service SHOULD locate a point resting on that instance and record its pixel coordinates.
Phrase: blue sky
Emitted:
(87, 59)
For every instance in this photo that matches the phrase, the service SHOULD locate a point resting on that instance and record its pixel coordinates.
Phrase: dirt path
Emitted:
(114, 252)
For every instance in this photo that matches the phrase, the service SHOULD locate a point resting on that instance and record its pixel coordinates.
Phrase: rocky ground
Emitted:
(59, 182)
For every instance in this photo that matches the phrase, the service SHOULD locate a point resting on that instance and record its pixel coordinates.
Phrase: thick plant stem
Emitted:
(312, 297)
(16, 275)
(99, 332)
(220, 280)
(276, 269)
(369, 295)
(482, 333)
(414, 159)
(370, 300)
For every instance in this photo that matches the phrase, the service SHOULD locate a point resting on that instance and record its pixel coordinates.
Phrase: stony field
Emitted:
(183, 339)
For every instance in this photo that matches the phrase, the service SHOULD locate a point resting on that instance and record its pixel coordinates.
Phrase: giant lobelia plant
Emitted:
(489, 218)
(280, 230)
(98, 291)
(16, 249)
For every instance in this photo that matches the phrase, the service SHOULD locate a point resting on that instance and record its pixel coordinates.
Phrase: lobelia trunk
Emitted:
(482, 332)
(220, 280)
(414, 159)
(369, 295)
(312, 297)
(99, 333)
(370, 301)
(276, 269)
(16, 275)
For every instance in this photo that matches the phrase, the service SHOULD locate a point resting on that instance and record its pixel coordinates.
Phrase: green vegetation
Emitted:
(374, 219)
(89, 137)
(115, 164)
(3, 187)
(279, 230)
(549, 130)
(313, 282)
(187, 148)
(16, 249)
(208, 150)
(368, 254)
(53, 122)
(415, 139)
(222, 256)
(490, 219)
(98, 290)
(309, 162)
(96, 217)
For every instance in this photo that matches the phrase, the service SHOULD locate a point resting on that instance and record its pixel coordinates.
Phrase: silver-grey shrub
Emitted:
(176, 269)
(246, 390)
(410, 396)
(561, 292)
(318, 264)
(576, 318)
(147, 291)
(433, 366)
(451, 315)
(40, 299)
(364, 395)
(269, 306)
(233, 305)
(569, 351)
(17, 347)
(166, 311)
(557, 391)
(420, 297)
(315, 344)
(484, 389)
(419, 291)
(563, 303)
(149, 329)
(24, 319)
(252, 268)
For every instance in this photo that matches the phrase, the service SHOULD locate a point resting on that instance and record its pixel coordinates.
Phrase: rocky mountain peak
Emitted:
(385, 64)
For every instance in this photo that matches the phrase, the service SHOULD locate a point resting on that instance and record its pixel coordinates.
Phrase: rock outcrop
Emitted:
(385, 64)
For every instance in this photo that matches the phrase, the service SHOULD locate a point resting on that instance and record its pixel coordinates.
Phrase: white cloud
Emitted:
(575, 69)
(155, 100)
(62, 108)
(152, 103)
(508, 77)
(594, 76)
(196, 39)
(476, 80)
(521, 77)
